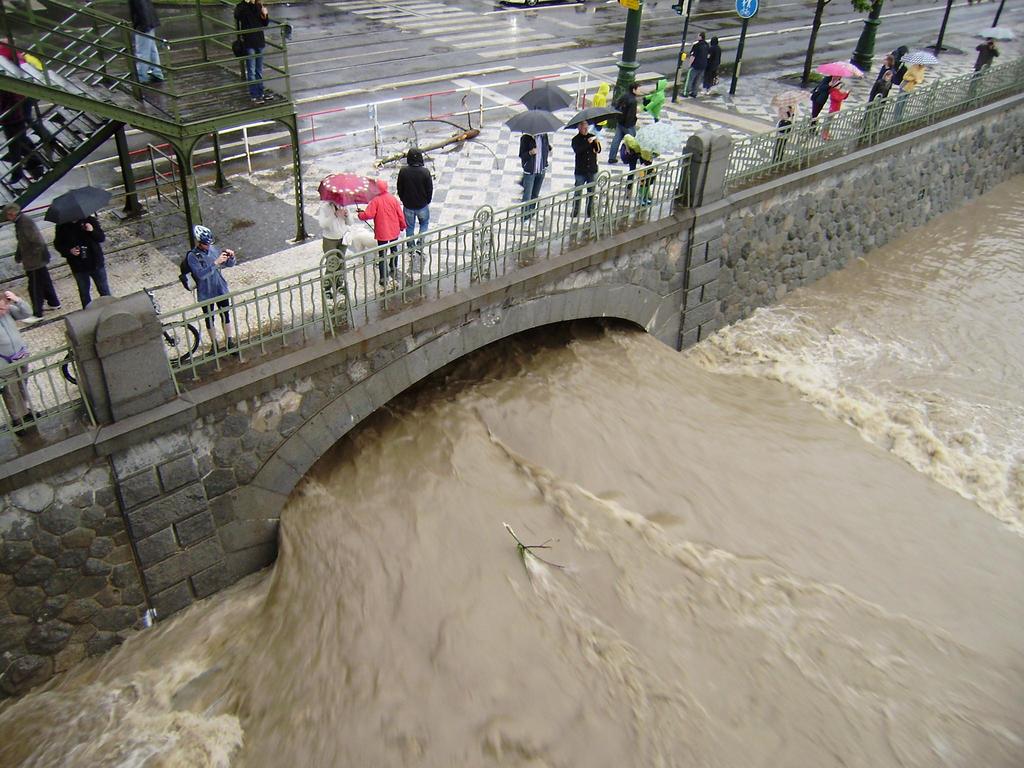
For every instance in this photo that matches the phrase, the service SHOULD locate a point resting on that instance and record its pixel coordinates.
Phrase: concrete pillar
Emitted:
(710, 152)
(122, 356)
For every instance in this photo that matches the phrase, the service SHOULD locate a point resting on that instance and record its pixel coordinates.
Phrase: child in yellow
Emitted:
(601, 100)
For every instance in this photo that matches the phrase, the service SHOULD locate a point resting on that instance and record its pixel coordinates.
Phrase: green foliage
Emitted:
(862, 5)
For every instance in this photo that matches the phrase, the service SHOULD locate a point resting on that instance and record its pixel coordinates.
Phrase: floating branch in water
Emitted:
(527, 549)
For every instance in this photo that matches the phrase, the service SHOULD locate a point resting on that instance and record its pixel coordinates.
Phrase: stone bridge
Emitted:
(179, 495)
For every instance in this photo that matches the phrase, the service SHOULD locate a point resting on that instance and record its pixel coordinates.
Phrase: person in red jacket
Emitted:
(388, 224)
(836, 96)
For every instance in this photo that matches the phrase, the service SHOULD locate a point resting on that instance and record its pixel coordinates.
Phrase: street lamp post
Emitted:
(628, 63)
(682, 46)
(999, 13)
(866, 44)
(815, 25)
(942, 30)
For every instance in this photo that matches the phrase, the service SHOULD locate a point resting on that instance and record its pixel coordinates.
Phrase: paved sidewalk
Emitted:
(257, 217)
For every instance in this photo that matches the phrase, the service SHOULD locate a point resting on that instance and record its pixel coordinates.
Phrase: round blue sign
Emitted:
(746, 8)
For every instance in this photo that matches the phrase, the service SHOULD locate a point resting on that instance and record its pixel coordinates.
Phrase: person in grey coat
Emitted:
(13, 351)
(33, 255)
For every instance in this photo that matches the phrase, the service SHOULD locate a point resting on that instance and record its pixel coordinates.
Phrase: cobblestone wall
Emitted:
(804, 231)
(68, 582)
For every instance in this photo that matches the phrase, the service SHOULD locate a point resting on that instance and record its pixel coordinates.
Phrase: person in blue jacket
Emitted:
(206, 261)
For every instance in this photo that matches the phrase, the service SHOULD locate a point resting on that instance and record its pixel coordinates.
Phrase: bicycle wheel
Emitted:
(181, 340)
(68, 370)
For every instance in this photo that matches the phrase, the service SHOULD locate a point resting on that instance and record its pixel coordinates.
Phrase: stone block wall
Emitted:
(69, 586)
(804, 229)
(165, 506)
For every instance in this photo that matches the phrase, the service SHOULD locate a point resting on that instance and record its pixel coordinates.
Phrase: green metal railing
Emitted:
(91, 51)
(808, 141)
(37, 388)
(346, 290)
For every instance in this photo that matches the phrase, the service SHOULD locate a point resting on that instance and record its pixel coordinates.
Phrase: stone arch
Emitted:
(266, 494)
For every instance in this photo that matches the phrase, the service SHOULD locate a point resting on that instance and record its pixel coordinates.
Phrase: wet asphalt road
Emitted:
(353, 52)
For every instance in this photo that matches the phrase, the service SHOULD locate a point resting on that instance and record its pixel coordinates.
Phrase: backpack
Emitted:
(820, 92)
(626, 154)
(185, 276)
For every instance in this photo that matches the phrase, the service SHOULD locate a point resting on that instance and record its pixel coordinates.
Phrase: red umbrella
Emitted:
(348, 189)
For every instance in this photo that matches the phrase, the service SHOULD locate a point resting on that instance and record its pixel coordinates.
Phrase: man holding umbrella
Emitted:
(33, 255)
(80, 243)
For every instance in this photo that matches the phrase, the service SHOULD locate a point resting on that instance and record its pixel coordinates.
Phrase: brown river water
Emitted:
(799, 544)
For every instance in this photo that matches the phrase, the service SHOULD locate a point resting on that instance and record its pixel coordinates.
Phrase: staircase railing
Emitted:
(93, 49)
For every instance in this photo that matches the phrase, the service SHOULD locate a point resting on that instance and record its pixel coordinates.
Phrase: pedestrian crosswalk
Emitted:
(466, 31)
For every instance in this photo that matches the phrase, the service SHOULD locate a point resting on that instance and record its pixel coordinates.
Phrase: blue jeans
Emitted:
(254, 71)
(148, 64)
(694, 80)
(98, 276)
(532, 183)
(412, 215)
(620, 131)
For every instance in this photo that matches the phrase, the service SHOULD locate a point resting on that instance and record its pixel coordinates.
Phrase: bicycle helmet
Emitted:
(202, 234)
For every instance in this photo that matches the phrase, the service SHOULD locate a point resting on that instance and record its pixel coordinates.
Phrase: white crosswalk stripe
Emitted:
(467, 31)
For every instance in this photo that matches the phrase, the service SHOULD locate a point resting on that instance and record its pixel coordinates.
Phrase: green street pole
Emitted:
(866, 44)
(628, 64)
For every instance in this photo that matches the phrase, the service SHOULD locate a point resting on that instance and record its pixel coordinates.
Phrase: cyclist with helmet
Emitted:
(206, 261)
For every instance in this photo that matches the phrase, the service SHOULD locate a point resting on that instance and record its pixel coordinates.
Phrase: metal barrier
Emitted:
(36, 390)
(809, 141)
(349, 290)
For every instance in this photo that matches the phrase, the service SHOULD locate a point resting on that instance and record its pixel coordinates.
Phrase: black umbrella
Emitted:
(534, 121)
(547, 97)
(592, 115)
(76, 204)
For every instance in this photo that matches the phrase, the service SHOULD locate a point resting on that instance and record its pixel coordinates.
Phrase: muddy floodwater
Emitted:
(799, 544)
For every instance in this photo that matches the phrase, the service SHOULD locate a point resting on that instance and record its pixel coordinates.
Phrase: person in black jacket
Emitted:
(586, 148)
(80, 242)
(883, 83)
(626, 105)
(415, 190)
(533, 154)
(698, 63)
(714, 62)
(252, 16)
(147, 56)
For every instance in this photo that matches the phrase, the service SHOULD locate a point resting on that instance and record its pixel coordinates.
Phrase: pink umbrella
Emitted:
(348, 189)
(840, 69)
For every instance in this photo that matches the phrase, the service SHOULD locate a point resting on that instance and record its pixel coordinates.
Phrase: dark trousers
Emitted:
(385, 265)
(21, 153)
(581, 179)
(210, 311)
(99, 277)
(40, 290)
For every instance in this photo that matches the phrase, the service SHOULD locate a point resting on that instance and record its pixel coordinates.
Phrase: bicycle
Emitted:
(179, 338)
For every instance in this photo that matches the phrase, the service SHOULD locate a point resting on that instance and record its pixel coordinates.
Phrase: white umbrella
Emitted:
(997, 33)
(919, 57)
(660, 138)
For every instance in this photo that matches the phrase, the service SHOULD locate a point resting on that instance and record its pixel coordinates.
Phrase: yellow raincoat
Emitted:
(912, 78)
(601, 100)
